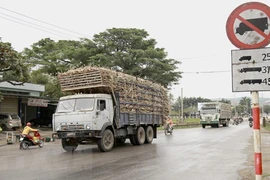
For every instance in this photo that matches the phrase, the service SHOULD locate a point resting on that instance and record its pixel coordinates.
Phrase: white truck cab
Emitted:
(83, 112)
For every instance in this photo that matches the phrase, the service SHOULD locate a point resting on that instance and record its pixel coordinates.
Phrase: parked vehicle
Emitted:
(214, 114)
(167, 129)
(10, 121)
(26, 141)
(116, 106)
(41, 121)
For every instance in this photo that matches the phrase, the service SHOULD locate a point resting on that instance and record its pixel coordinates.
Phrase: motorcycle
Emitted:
(167, 129)
(250, 123)
(235, 121)
(26, 141)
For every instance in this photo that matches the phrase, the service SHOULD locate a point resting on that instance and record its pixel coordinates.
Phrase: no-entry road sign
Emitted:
(248, 26)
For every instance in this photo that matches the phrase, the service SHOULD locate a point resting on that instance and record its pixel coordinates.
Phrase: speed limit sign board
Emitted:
(248, 26)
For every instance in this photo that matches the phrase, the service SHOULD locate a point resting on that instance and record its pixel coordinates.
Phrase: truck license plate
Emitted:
(70, 134)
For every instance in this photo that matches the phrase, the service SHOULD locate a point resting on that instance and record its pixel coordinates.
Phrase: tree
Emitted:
(129, 51)
(246, 103)
(12, 66)
(53, 57)
(225, 101)
(266, 109)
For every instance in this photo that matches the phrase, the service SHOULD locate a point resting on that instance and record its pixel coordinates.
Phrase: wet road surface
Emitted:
(188, 154)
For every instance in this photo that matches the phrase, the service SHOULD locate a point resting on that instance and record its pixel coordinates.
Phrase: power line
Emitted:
(45, 22)
(36, 25)
(31, 26)
(204, 72)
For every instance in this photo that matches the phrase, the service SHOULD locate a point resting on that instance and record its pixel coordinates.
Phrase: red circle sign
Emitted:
(248, 26)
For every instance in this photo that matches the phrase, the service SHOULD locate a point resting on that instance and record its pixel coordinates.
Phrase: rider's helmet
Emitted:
(28, 124)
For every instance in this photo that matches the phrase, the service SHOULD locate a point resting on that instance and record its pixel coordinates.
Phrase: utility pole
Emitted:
(182, 106)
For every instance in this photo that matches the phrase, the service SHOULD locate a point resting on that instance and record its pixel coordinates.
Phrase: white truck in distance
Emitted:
(107, 107)
(214, 114)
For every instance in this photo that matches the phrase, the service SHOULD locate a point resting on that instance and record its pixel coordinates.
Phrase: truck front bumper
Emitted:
(77, 134)
(209, 122)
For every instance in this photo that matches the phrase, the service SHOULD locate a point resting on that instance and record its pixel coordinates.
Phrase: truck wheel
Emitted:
(149, 135)
(203, 125)
(140, 136)
(106, 142)
(121, 140)
(132, 140)
(69, 145)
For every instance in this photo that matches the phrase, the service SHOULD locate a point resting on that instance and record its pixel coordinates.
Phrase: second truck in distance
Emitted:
(214, 114)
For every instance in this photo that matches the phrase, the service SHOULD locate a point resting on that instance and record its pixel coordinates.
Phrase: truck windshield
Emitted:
(65, 106)
(207, 110)
(70, 105)
(86, 104)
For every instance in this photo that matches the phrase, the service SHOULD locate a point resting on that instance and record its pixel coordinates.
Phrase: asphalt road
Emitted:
(188, 154)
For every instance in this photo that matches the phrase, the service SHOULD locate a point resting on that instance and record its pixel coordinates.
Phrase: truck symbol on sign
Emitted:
(253, 81)
(260, 23)
(259, 69)
(245, 58)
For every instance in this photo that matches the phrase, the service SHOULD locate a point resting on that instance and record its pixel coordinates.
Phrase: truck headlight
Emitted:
(58, 128)
(88, 126)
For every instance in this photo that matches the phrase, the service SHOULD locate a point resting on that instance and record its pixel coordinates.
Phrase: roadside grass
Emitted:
(187, 123)
(267, 127)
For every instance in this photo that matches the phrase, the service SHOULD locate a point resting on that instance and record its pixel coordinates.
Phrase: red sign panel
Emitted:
(248, 26)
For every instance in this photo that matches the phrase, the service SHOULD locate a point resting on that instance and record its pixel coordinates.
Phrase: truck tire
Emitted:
(203, 125)
(106, 142)
(140, 136)
(121, 140)
(69, 145)
(132, 140)
(218, 124)
(149, 135)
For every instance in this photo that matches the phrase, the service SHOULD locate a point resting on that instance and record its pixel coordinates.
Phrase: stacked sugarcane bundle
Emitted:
(136, 94)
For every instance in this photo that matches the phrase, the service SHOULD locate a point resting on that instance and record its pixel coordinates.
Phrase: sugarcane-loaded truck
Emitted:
(106, 107)
(214, 114)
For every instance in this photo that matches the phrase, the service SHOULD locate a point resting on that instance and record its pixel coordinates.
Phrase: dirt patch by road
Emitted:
(248, 173)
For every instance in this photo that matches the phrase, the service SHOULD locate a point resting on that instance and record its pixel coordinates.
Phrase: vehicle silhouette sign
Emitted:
(260, 23)
(253, 81)
(251, 69)
(245, 58)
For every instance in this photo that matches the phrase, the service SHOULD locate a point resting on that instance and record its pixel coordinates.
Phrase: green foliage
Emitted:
(190, 104)
(12, 66)
(266, 109)
(129, 51)
(225, 101)
(267, 127)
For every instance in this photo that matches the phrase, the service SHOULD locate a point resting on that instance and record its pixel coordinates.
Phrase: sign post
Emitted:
(248, 27)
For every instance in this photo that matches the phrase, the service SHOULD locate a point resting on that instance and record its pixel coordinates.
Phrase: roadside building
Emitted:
(26, 101)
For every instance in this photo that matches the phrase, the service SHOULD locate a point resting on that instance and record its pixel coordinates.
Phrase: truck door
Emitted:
(102, 114)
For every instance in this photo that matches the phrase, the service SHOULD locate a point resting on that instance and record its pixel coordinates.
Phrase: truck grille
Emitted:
(72, 127)
(209, 118)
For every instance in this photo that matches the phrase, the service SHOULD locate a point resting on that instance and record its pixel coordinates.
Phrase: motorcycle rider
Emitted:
(27, 130)
(170, 122)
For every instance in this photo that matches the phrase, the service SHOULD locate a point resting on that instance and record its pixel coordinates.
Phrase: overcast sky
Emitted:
(193, 32)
